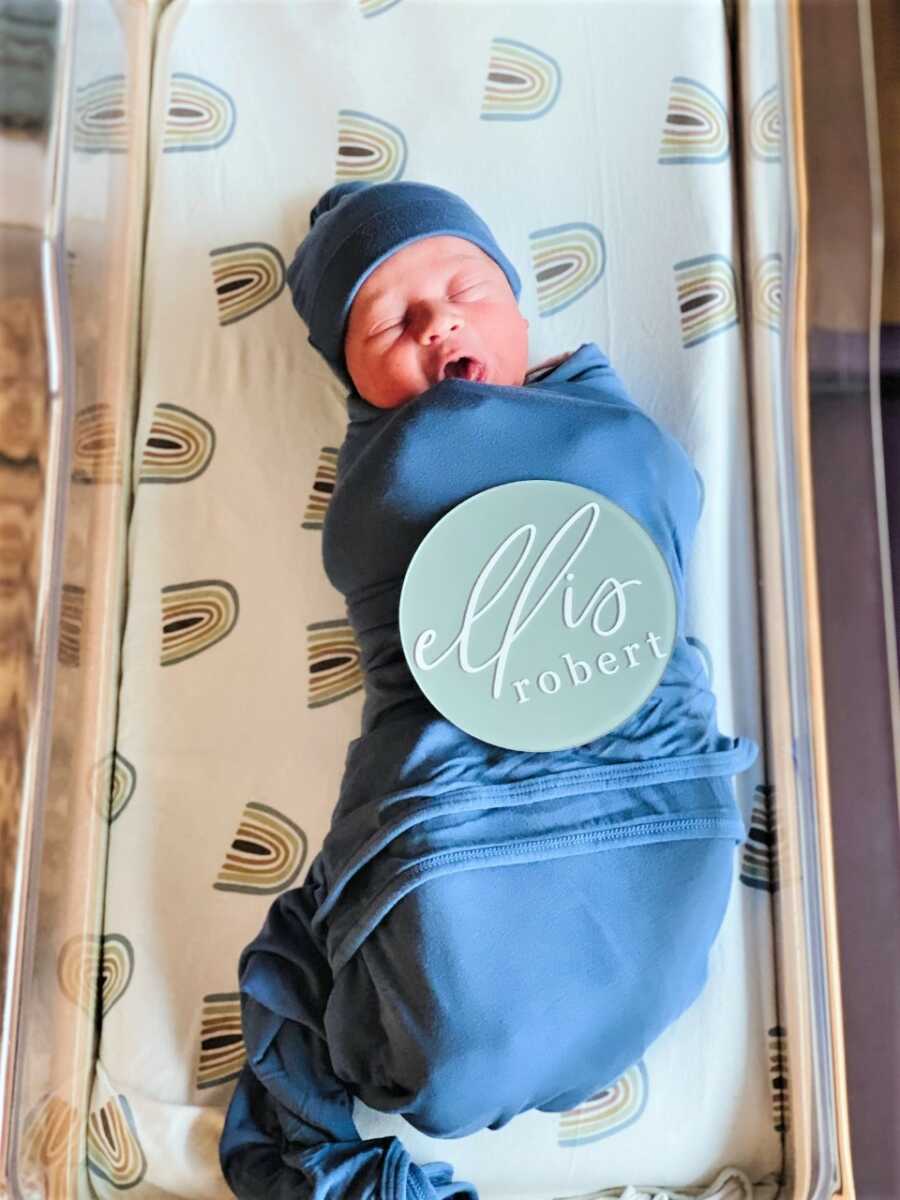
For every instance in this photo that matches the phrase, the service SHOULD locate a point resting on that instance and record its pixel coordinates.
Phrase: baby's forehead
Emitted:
(424, 256)
(437, 250)
(451, 245)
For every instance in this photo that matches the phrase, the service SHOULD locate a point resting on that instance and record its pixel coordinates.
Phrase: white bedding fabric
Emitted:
(250, 103)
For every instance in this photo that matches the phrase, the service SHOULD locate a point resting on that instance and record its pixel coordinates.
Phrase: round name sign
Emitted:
(537, 615)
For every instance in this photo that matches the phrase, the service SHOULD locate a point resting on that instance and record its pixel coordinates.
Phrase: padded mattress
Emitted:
(596, 140)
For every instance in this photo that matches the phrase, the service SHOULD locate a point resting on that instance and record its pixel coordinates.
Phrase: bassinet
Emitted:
(199, 683)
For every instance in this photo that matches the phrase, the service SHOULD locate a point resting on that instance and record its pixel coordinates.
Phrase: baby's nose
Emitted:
(435, 322)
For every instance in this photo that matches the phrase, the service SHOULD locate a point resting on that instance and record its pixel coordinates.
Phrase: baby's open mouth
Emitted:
(465, 368)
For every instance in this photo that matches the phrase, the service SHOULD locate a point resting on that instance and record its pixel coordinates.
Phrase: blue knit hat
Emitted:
(354, 227)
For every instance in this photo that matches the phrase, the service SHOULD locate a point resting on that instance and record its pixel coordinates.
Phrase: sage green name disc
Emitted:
(537, 615)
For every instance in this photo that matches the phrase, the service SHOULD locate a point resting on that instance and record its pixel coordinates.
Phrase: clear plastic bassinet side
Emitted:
(799, 183)
(72, 142)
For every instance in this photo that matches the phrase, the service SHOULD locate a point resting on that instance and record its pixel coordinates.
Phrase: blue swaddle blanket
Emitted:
(484, 931)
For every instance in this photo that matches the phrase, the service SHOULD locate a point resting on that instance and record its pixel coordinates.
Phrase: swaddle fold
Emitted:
(484, 930)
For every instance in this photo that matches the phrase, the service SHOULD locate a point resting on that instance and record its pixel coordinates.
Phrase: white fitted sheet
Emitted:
(257, 108)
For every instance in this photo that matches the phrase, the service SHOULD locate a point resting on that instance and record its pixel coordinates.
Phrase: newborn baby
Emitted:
(484, 931)
(436, 309)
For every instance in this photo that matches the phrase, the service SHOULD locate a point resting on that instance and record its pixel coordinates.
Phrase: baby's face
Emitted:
(429, 305)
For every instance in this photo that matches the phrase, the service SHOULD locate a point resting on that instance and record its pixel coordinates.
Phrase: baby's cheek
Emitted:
(517, 343)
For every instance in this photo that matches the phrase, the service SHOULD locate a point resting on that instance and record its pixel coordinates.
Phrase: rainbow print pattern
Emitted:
(767, 292)
(568, 260)
(266, 854)
(179, 446)
(707, 297)
(49, 1149)
(195, 616)
(200, 115)
(101, 116)
(368, 148)
(87, 965)
(222, 1052)
(322, 488)
(116, 969)
(766, 127)
(113, 781)
(71, 623)
(96, 456)
(522, 82)
(779, 1078)
(266, 851)
(334, 662)
(759, 859)
(246, 278)
(611, 1110)
(696, 129)
(114, 1151)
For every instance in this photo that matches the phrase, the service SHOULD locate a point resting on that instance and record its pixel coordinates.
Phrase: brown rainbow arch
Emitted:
(89, 968)
(195, 616)
(71, 624)
(50, 1145)
(369, 148)
(114, 1150)
(113, 781)
(246, 277)
(696, 128)
(100, 119)
(707, 297)
(266, 854)
(200, 114)
(179, 446)
(96, 451)
(334, 662)
(779, 1078)
(567, 260)
(322, 488)
(610, 1111)
(522, 84)
(766, 126)
(222, 1051)
(759, 858)
(767, 292)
